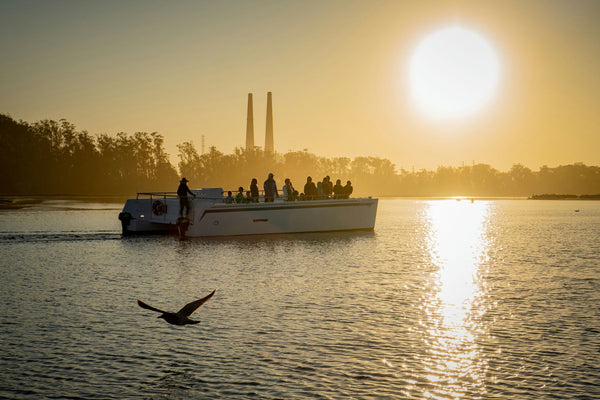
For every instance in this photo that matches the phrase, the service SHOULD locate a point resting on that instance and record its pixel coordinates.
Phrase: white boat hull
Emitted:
(214, 218)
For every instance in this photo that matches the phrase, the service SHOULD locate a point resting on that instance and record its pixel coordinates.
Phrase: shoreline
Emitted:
(554, 196)
(15, 202)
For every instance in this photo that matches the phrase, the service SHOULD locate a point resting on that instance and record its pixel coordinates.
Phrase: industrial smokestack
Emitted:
(250, 125)
(269, 147)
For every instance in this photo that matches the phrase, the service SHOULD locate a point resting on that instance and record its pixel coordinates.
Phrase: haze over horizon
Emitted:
(338, 71)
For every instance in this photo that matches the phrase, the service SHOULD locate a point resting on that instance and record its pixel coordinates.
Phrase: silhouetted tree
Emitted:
(521, 180)
(20, 156)
(52, 157)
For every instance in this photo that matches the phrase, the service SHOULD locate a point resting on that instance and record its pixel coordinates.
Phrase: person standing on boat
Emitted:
(320, 191)
(338, 189)
(288, 190)
(182, 192)
(254, 190)
(270, 189)
(310, 190)
(328, 188)
(348, 189)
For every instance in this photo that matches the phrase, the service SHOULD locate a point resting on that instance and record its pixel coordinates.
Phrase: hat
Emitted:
(183, 180)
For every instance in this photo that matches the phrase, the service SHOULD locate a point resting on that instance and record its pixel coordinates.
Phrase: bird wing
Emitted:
(189, 308)
(146, 306)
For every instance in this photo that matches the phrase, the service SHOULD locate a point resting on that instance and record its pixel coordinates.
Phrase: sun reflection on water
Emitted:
(457, 246)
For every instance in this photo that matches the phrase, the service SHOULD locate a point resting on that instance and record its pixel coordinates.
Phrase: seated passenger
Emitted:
(338, 189)
(248, 198)
(239, 198)
(229, 198)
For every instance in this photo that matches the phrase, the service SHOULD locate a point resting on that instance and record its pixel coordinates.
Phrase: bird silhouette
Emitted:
(181, 316)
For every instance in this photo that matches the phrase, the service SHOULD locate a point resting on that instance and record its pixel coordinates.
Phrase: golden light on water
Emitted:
(457, 246)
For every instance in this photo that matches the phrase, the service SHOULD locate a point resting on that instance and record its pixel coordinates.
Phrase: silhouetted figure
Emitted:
(248, 198)
(239, 197)
(182, 192)
(229, 199)
(288, 190)
(310, 190)
(254, 190)
(327, 186)
(270, 187)
(338, 189)
(348, 189)
(181, 316)
(320, 191)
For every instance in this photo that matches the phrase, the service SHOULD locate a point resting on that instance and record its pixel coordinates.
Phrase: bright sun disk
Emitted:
(453, 73)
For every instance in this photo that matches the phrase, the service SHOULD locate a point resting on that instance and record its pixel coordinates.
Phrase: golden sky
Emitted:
(337, 70)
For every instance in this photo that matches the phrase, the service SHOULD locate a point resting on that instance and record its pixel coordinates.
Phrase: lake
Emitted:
(445, 299)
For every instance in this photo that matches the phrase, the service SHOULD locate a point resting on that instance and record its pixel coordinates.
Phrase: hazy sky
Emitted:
(337, 70)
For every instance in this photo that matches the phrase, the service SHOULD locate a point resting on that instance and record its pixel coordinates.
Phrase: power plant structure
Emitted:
(269, 145)
(250, 125)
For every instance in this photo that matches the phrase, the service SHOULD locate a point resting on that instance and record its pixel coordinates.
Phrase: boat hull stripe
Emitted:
(226, 210)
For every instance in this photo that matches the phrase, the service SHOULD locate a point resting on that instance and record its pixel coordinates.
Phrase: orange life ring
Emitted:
(159, 208)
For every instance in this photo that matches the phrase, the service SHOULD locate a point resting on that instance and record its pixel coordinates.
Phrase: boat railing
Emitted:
(173, 195)
(163, 195)
(280, 198)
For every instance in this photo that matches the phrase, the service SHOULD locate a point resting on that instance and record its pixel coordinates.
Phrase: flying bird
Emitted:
(181, 316)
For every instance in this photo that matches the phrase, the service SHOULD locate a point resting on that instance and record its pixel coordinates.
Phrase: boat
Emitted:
(209, 215)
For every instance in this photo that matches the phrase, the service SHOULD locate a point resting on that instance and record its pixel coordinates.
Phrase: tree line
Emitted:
(53, 157)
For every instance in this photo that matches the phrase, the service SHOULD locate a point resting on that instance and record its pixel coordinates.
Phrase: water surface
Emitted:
(445, 299)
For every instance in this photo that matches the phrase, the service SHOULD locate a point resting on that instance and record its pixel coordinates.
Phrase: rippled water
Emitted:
(445, 299)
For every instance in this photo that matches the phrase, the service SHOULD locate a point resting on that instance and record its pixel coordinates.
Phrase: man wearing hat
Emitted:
(182, 192)
(270, 189)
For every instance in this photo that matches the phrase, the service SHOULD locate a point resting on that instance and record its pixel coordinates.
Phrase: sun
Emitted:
(453, 73)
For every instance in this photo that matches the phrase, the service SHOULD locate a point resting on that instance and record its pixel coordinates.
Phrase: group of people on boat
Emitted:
(323, 190)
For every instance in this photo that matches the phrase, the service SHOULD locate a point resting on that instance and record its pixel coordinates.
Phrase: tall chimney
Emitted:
(269, 147)
(250, 125)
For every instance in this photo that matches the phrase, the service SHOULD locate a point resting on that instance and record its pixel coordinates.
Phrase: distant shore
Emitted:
(15, 202)
(22, 201)
(565, 197)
